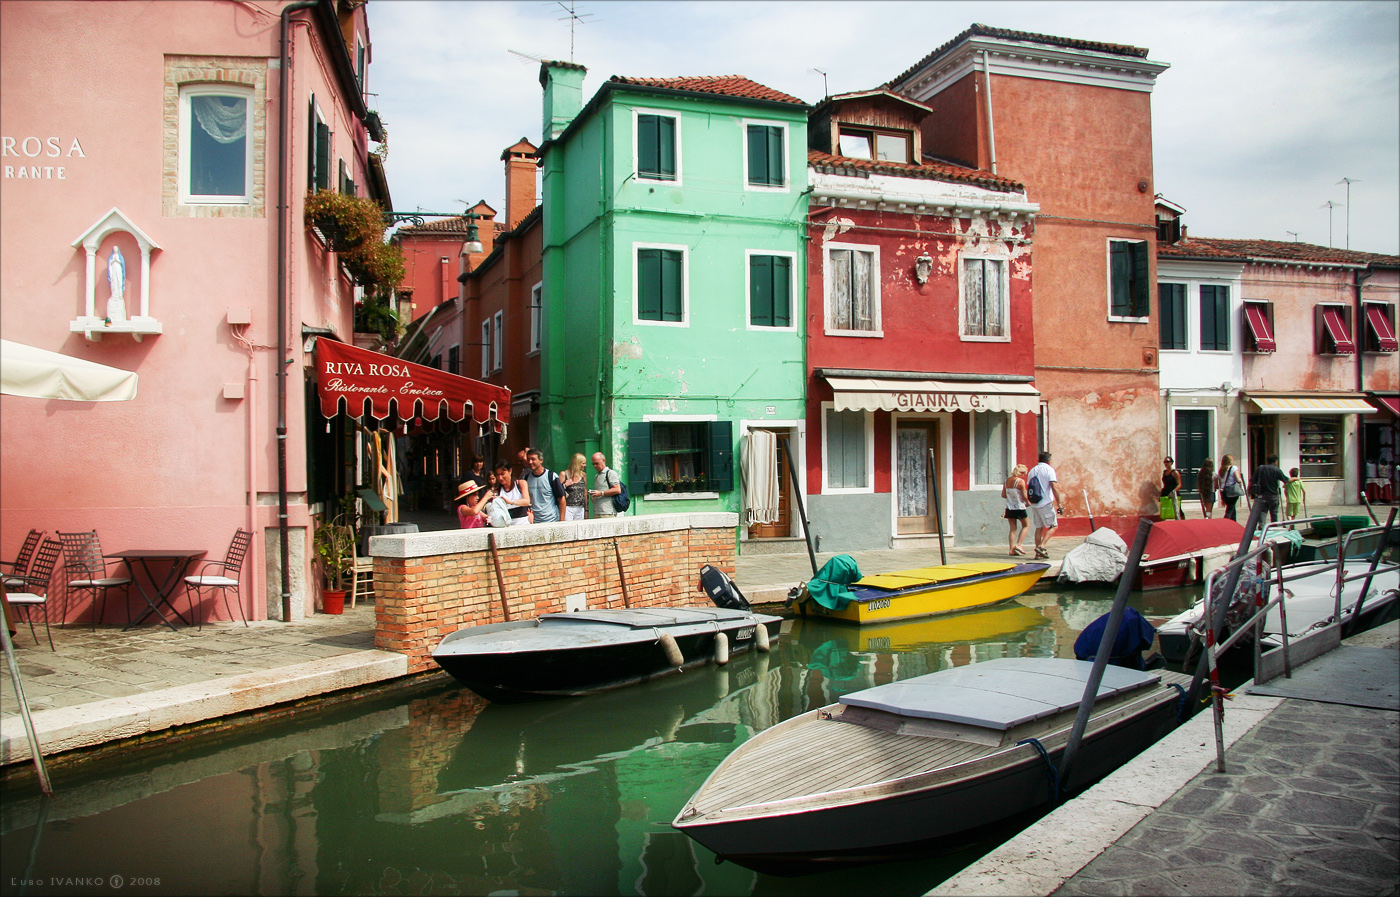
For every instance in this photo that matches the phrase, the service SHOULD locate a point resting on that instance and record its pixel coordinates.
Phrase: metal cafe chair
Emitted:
(86, 569)
(20, 565)
(231, 565)
(35, 586)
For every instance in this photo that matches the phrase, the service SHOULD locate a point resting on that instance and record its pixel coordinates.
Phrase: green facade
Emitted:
(672, 392)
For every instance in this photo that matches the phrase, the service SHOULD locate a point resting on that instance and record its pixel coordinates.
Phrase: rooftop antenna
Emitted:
(1329, 205)
(526, 58)
(1294, 233)
(574, 18)
(1349, 182)
(826, 91)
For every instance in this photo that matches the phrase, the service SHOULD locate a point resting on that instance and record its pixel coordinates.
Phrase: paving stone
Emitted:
(1211, 880)
(1315, 809)
(1205, 856)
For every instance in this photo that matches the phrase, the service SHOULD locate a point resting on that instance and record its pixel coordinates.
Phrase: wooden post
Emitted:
(500, 582)
(621, 576)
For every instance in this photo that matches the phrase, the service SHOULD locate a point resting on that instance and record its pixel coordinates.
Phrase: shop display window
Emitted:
(1320, 446)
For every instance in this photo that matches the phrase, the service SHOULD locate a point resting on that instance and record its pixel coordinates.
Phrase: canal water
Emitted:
(436, 791)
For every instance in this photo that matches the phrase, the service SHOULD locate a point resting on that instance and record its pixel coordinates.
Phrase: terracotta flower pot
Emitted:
(333, 601)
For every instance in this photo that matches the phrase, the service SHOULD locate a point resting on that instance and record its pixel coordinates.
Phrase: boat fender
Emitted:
(721, 648)
(760, 638)
(672, 650)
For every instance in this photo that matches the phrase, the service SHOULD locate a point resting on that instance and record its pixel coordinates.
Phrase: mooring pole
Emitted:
(801, 511)
(500, 581)
(937, 508)
(621, 577)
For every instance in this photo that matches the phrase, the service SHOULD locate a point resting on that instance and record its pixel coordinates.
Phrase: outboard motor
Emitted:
(721, 589)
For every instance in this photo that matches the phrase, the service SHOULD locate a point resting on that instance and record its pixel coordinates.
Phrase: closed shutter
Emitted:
(1140, 281)
(862, 296)
(973, 290)
(782, 291)
(311, 146)
(639, 458)
(761, 290)
(840, 276)
(672, 275)
(323, 156)
(649, 284)
(721, 459)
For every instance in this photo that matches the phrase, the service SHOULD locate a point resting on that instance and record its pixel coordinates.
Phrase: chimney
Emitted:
(563, 96)
(522, 161)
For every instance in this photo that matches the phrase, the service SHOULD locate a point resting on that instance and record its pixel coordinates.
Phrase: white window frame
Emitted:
(636, 155)
(536, 316)
(637, 318)
(486, 347)
(1108, 281)
(874, 250)
(786, 185)
(498, 342)
(748, 291)
(1005, 298)
(869, 487)
(973, 482)
(222, 88)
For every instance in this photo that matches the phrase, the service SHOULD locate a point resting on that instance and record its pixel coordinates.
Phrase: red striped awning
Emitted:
(381, 385)
(1259, 327)
(1375, 317)
(1337, 330)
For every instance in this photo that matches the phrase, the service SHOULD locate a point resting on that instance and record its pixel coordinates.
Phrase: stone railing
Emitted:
(428, 585)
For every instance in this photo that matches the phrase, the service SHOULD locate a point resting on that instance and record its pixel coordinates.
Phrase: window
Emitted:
(1332, 324)
(770, 290)
(454, 360)
(1380, 327)
(852, 287)
(1215, 318)
(1128, 272)
(1171, 315)
(984, 299)
(536, 309)
(680, 457)
(847, 440)
(1259, 329)
(486, 347)
(318, 147)
(216, 146)
(658, 157)
(660, 286)
(764, 155)
(875, 144)
(347, 186)
(991, 447)
(1320, 446)
(498, 340)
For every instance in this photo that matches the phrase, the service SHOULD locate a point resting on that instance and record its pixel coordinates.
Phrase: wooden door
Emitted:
(913, 484)
(1192, 446)
(1263, 442)
(782, 527)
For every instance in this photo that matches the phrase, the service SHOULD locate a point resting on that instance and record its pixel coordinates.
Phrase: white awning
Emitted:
(933, 395)
(1312, 404)
(41, 374)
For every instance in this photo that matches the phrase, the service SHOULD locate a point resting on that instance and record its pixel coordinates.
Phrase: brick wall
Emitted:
(428, 585)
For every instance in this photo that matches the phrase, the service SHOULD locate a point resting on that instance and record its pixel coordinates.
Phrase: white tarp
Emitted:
(41, 374)
(1101, 558)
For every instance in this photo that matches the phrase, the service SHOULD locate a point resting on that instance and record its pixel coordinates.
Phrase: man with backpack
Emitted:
(605, 486)
(546, 492)
(1043, 490)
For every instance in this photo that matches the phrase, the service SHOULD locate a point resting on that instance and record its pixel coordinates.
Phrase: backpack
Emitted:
(621, 501)
(1033, 493)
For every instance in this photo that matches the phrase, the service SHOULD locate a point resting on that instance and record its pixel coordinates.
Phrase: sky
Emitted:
(1266, 108)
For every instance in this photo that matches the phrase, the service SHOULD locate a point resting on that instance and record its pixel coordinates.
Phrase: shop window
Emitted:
(1380, 327)
(985, 299)
(660, 287)
(847, 443)
(1320, 446)
(991, 447)
(658, 153)
(1332, 327)
(764, 154)
(216, 144)
(1259, 326)
(852, 287)
(1215, 318)
(1171, 315)
(1128, 276)
(770, 290)
(683, 456)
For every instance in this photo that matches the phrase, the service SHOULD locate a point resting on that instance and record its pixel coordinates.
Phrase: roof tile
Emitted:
(724, 85)
(1258, 250)
(930, 169)
(1024, 37)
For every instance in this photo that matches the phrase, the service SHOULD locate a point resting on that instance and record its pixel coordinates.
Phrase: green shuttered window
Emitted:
(1215, 318)
(1171, 315)
(1129, 276)
(770, 290)
(660, 282)
(680, 457)
(766, 156)
(656, 147)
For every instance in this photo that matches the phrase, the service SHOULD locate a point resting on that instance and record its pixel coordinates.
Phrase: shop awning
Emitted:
(1389, 403)
(1351, 403)
(1376, 320)
(380, 385)
(860, 394)
(41, 374)
(1259, 327)
(1337, 330)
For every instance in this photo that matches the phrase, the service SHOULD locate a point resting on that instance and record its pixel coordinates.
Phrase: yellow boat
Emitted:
(926, 591)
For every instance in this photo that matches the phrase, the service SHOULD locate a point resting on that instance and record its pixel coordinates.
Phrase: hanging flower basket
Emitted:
(343, 222)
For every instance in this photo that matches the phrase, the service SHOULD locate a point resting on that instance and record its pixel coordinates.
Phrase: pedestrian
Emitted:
(1171, 485)
(1268, 484)
(1296, 495)
(514, 493)
(575, 483)
(1043, 492)
(546, 492)
(605, 485)
(1230, 484)
(1205, 487)
(478, 471)
(1017, 522)
(471, 500)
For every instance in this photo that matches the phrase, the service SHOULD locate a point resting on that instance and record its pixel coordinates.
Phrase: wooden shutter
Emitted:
(1171, 319)
(666, 146)
(776, 173)
(639, 457)
(311, 146)
(1140, 280)
(782, 291)
(721, 460)
(862, 291)
(1121, 272)
(994, 314)
(647, 152)
(758, 154)
(974, 287)
(649, 284)
(672, 275)
(839, 273)
(761, 290)
(323, 156)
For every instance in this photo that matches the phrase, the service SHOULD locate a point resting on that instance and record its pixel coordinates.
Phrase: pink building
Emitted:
(184, 135)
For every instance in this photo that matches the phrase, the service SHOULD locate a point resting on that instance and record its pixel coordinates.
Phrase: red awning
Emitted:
(1375, 316)
(369, 380)
(1259, 326)
(1389, 403)
(1337, 329)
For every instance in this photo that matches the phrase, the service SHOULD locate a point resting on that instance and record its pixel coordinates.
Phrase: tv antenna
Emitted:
(574, 18)
(527, 58)
(826, 91)
(1294, 234)
(1349, 182)
(1329, 205)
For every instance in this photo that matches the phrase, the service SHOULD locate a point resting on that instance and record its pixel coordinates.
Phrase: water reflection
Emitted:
(443, 792)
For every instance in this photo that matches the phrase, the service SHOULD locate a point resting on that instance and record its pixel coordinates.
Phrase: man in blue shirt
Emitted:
(546, 492)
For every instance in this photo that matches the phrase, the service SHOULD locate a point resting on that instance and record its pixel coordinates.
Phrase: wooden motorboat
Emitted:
(922, 592)
(894, 768)
(591, 651)
(1177, 551)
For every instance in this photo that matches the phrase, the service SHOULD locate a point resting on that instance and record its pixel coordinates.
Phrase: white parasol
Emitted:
(41, 374)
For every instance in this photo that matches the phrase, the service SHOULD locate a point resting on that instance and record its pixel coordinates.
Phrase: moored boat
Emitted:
(922, 592)
(1177, 551)
(893, 768)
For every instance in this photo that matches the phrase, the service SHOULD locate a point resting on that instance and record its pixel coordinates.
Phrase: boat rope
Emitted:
(1181, 702)
(1051, 772)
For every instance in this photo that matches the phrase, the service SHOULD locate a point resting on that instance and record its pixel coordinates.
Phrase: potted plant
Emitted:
(344, 222)
(334, 545)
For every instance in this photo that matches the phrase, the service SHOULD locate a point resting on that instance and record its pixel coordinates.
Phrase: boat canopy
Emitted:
(1179, 538)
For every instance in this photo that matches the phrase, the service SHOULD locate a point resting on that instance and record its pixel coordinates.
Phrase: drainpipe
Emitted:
(991, 128)
(283, 248)
(1357, 335)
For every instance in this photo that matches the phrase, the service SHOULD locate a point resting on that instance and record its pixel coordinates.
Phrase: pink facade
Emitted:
(194, 457)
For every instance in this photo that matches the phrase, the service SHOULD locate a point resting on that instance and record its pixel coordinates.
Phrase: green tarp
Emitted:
(829, 587)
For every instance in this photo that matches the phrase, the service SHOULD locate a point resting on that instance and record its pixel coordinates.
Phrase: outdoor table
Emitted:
(180, 561)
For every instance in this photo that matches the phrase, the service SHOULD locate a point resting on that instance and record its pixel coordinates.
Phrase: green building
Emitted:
(673, 256)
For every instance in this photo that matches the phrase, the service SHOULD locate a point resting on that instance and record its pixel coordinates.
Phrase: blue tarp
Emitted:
(1135, 635)
(829, 587)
